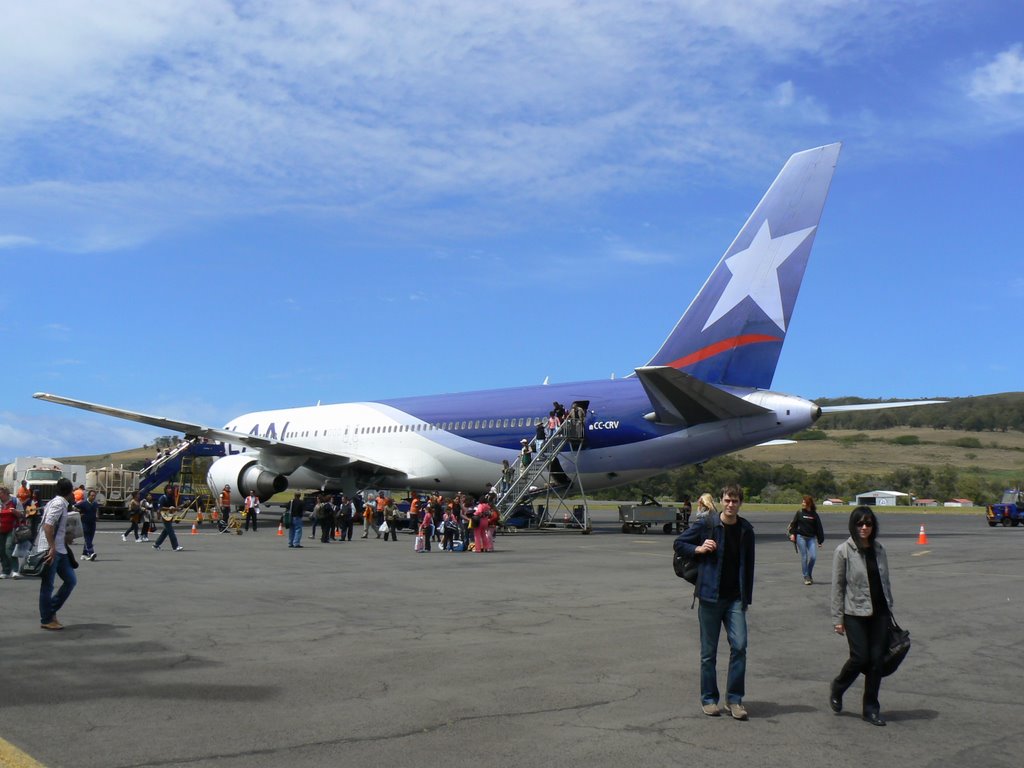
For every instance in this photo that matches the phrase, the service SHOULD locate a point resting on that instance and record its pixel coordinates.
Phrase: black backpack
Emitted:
(685, 566)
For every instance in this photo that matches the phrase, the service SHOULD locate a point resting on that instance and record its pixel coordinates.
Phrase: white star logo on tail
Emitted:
(755, 274)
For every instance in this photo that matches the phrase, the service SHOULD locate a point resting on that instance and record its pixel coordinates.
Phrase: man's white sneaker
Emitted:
(738, 711)
(124, 537)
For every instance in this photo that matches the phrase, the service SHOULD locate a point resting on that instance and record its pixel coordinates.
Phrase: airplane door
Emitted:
(580, 409)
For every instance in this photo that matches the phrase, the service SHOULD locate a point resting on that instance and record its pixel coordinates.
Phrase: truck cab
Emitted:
(44, 480)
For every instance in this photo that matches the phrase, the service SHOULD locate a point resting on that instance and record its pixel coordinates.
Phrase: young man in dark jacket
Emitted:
(724, 548)
(88, 510)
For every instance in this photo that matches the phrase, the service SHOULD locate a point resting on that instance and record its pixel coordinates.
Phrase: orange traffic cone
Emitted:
(280, 529)
(922, 538)
(195, 531)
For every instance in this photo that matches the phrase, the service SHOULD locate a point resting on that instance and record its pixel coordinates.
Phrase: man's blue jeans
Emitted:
(296, 533)
(713, 615)
(808, 546)
(49, 603)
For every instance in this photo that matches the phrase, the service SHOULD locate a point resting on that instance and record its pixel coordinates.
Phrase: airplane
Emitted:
(704, 393)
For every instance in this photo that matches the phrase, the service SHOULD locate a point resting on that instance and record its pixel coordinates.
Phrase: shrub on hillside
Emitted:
(906, 440)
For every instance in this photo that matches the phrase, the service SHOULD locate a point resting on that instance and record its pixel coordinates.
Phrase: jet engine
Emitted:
(243, 474)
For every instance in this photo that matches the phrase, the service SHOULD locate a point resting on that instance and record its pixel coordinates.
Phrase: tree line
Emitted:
(774, 484)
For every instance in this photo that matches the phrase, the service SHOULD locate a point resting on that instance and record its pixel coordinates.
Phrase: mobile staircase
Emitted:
(168, 466)
(549, 476)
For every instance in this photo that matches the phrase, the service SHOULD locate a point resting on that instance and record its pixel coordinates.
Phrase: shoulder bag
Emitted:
(22, 533)
(685, 566)
(34, 563)
(897, 647)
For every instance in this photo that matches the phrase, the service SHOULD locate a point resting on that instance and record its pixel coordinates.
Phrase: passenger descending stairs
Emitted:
(545, 475)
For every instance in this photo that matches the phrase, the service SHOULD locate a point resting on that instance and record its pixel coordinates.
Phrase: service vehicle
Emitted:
(1009, 511)
(114, 487)
(639, 518)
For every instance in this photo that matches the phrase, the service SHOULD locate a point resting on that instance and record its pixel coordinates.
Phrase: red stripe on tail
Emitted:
(721, 346)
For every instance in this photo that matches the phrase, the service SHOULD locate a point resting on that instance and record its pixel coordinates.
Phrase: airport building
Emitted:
(879, 498)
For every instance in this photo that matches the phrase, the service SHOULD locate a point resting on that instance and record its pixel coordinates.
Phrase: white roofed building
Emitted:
(879, 498)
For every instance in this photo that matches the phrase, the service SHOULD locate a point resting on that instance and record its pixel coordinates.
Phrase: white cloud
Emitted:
(1003, 76)
(633, 255)
(63, 436)
(142, 117)
(15, 241)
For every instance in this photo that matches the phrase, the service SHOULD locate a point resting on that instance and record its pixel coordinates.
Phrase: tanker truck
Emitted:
(114, 487)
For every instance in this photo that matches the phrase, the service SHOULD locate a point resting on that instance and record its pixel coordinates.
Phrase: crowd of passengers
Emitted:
(439, 520)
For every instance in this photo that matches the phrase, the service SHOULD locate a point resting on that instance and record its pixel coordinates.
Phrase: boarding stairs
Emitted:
(168, 466)
(546, 475)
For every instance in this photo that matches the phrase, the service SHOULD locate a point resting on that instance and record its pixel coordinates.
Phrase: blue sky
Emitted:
(210, 207)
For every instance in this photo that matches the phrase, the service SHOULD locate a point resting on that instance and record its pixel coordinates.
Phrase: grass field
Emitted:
(846, 452)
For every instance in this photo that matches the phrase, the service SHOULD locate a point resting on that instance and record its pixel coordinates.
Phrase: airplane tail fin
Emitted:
(732, 332)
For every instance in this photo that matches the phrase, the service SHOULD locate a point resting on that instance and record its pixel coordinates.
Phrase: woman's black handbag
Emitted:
(896, 649)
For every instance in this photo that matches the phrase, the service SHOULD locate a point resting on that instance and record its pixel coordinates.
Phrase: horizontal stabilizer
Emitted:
(682, 399)
(877, 406)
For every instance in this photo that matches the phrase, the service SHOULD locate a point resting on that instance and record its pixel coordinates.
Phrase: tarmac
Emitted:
(558, 649)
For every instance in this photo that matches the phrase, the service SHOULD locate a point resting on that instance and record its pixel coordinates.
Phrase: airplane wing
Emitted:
(679, 398)
(324, 462)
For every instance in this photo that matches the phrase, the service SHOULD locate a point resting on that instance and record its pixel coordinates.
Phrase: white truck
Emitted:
(41, 474)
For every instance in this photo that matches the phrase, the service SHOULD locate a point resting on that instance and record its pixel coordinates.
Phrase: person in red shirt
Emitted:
(427, 529)
(378, 518)
(481, 522)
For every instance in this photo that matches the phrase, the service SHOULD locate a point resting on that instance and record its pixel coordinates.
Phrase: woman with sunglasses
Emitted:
(861, 604)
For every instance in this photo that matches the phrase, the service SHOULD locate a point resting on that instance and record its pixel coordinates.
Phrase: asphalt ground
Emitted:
(556, 650)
